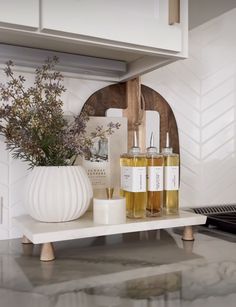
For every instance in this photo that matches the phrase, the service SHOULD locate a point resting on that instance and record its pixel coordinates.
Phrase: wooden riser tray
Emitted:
(45, 233)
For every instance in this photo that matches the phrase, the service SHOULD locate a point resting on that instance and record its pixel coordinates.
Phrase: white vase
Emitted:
(57, 194)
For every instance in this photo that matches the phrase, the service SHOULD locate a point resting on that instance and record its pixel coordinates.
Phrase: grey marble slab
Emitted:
(145, 269)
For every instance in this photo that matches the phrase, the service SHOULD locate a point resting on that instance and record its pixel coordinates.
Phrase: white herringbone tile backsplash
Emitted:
(202, 93)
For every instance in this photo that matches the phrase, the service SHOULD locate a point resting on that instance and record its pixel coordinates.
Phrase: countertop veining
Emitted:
(143, 269)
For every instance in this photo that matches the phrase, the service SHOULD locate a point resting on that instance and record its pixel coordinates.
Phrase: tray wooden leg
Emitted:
(47, 252)
(188, 233)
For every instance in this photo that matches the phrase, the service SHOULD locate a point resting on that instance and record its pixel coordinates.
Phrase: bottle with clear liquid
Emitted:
(133, 181)
(171, 180)
(155, 164)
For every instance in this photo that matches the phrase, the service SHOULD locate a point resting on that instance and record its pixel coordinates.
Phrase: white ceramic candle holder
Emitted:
(109, 211)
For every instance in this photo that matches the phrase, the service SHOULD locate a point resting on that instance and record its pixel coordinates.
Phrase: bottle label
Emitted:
(133, 179)
(155, 178)
(171, 178)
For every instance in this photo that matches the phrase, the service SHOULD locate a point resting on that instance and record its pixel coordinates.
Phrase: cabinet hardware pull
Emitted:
(174, 11)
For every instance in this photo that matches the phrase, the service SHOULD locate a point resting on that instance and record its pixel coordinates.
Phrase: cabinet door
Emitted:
(19, 13)
(136, 22)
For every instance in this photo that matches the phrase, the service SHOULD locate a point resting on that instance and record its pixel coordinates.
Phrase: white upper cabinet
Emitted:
(137, 24)
(19, 13)
(113, 40)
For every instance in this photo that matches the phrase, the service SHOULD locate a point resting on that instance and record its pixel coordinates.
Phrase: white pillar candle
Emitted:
(109, 211)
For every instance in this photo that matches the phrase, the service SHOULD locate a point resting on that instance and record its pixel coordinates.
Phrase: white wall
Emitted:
(202, 93)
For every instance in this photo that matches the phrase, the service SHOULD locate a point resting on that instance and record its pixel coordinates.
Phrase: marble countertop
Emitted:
(142, 269)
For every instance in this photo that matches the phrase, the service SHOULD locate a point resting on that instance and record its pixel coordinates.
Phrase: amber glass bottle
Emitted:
(171, 180)
(133, 181)
(155, 163)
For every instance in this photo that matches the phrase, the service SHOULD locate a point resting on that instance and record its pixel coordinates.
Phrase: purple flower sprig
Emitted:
(32, 121)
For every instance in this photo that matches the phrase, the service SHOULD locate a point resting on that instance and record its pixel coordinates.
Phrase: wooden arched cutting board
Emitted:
(115, 96)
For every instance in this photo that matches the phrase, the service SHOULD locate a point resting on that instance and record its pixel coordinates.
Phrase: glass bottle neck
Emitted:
(134, 150)
(167, 150)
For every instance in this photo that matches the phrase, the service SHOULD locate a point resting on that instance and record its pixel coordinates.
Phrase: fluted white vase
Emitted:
(57, 194)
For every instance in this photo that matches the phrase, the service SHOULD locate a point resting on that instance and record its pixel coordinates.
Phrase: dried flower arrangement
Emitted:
(33, 124)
